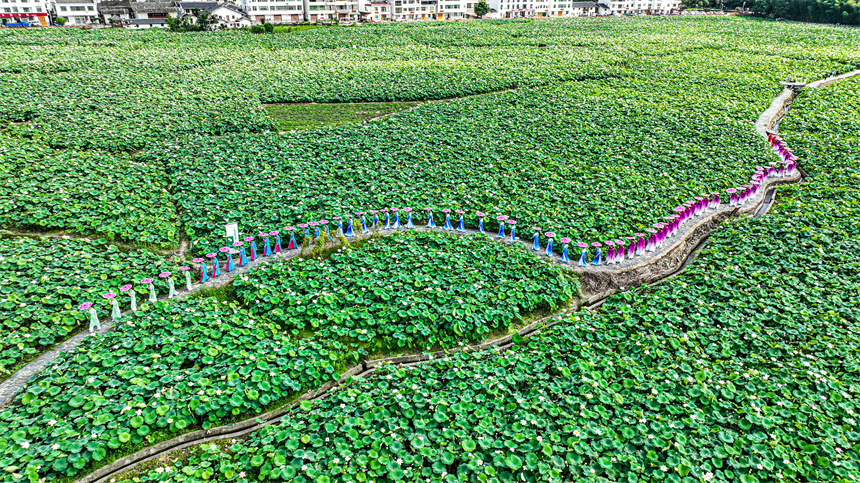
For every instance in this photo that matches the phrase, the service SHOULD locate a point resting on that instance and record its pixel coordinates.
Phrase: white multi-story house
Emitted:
(349, 10)
(276, 11)
(224, 15)
(379, 12)
(575, 9)
(23, 12)
(547, 8)
(643, 7)
(451, 9)
(77, 12)
(410, 10)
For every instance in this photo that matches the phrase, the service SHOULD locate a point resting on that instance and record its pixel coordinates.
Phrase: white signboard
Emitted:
(232, 231)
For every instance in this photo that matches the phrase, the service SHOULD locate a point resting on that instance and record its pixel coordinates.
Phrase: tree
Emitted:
(481, 9)
(269, 27)
(61, 21)
(205, 20)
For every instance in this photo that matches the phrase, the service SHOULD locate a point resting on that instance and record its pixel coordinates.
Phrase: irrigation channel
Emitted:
(597, 284)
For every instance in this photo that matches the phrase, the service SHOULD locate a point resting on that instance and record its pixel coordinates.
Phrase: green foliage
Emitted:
(845, 12)
(308, 116)
(198, 21)
(481, 9)
(611, 124)
(557, 158)
(84, 192)
(61, 21)
(258, 29)
(742, 369)
(173, 367)
(410, 289)
(269, 28)
(42, 282)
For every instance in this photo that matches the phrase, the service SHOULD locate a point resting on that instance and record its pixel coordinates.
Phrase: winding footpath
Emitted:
(598, 282)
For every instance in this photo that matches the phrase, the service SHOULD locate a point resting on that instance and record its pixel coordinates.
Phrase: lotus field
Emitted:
(743, 369)
(125, 153)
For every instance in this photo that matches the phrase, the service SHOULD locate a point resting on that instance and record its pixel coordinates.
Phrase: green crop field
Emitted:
(124, 155)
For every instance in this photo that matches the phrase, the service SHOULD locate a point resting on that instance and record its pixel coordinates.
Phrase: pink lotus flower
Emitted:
(85, 305)
(109, 295)
(125, 288)
(146, 280)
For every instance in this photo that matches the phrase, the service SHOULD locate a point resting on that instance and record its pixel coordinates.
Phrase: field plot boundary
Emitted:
(598, 283)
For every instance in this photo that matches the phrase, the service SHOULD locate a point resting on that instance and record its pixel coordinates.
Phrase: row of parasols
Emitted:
(609, 252)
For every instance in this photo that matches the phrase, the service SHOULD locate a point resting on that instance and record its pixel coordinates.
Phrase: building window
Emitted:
(61, 8)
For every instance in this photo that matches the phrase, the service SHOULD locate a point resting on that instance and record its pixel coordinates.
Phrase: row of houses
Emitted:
(153, 13)
(128, 13)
